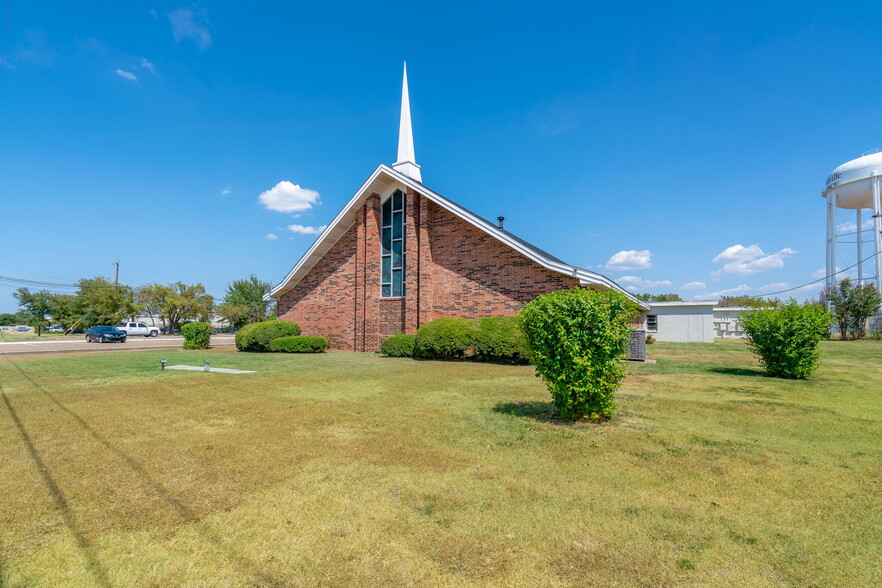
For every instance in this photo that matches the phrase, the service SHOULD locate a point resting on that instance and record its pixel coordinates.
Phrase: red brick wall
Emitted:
(452, 269)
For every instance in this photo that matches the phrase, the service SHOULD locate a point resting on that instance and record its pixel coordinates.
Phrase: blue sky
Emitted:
(663, 144)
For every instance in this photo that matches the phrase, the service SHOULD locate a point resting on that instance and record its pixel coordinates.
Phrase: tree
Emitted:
(752, 301)
(8, 319)
(101, 302)
(852, 305)
(232, 313)
(659, 297)
(37, 305)
(249, 293)
(178, 303)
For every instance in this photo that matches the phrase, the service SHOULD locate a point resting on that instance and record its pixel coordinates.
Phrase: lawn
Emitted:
(354, 469)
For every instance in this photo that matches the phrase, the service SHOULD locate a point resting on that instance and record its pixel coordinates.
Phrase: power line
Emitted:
(822, 279)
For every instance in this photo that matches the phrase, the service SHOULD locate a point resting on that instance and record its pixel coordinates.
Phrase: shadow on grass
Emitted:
(252, 568)
(739, 371)
(544, 412)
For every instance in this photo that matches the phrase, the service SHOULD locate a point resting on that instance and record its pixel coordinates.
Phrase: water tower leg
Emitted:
(831, 239)
(860, 247)
(877, 232)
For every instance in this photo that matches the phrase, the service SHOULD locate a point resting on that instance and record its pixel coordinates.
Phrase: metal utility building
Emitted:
(400, 255)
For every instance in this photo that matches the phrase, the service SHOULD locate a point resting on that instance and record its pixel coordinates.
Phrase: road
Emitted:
(80, 345)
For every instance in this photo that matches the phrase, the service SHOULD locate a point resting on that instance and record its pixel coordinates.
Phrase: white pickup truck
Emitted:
(132, 329)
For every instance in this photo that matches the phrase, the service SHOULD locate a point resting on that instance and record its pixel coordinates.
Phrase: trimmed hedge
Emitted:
(399, 345)
(196, 335)
(258, 336)
(500, 339)
(446, 338)
(297, 344)
(577, 338)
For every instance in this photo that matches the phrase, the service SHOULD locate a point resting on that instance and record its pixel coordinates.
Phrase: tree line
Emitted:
(98, 301)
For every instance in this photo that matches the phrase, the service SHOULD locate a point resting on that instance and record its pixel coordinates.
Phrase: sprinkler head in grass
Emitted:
(207, 363)
(162, 364)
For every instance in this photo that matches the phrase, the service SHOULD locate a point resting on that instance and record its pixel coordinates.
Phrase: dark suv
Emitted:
(105, 335)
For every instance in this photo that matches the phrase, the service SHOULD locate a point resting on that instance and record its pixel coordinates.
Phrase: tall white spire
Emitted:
(406, 163)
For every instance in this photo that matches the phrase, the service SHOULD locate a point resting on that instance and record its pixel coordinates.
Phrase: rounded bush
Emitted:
(258, 336)
(786, 337)
(577, 338)
(398, 345)
(297, 344)
(446, 338)
(196, 335)
(501, 339)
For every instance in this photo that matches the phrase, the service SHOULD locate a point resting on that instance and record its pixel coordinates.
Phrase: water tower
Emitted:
(855, 185)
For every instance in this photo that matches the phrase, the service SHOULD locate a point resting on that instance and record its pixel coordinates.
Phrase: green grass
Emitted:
(354, 469)
(16, 337)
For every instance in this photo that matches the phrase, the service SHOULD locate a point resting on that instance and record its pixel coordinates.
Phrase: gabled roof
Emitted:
(378, 182)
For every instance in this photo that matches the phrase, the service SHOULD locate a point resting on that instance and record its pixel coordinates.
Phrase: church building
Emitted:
(400, 255)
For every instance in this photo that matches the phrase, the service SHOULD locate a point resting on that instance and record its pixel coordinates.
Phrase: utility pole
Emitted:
(116, 279)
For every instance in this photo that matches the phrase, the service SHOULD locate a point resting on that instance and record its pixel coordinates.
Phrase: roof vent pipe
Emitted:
(501, 220)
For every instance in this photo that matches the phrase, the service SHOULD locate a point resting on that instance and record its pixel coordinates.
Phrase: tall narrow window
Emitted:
(392, 260)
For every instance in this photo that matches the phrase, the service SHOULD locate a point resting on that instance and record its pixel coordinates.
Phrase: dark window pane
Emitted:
(387, 212)
(397, 198)
(397, 258)
(387, 268)
(387, 291)
(396, 225)
(397, 283)
(387, 240)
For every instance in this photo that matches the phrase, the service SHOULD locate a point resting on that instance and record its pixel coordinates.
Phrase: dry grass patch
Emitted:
(352, 469)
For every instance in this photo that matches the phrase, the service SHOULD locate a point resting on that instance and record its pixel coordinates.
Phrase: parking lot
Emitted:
(79, 345)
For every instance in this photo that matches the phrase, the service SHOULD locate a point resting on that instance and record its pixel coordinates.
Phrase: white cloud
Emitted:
(738, 253)
(226, 191)
(189, 24)
(271, 236)
(127, 75)
(694, 286)
(146, 64)
(630, 260)
(773, 287)
(301, 230)
(637, 284)
(288, 197)
(852, 226)
(749, 260)
(736, 291)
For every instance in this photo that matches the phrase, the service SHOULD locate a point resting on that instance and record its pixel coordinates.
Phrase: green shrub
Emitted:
(786, 337)
(297, 344)
(577, 338)
(500, 339)
(258, 336)
(196, 335)
(399, 345)
(446, 338)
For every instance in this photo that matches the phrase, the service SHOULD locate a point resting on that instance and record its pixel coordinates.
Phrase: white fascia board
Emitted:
(584, 276)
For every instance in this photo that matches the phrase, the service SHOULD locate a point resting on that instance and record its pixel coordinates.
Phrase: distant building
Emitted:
(696, 321)
(400, 255)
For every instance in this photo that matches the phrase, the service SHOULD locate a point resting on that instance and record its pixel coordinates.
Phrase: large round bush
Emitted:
(501, 339)
(786, 337)
(298, 344)
(577, 339)
(258, 336)
(446, 338)
(399, 345)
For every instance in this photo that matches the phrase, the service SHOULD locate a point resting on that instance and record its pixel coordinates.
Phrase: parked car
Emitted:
(105, 334)
(54, 329)
(138, 329)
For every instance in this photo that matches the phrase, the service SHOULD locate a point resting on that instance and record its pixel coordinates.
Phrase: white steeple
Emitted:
(406, 163)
